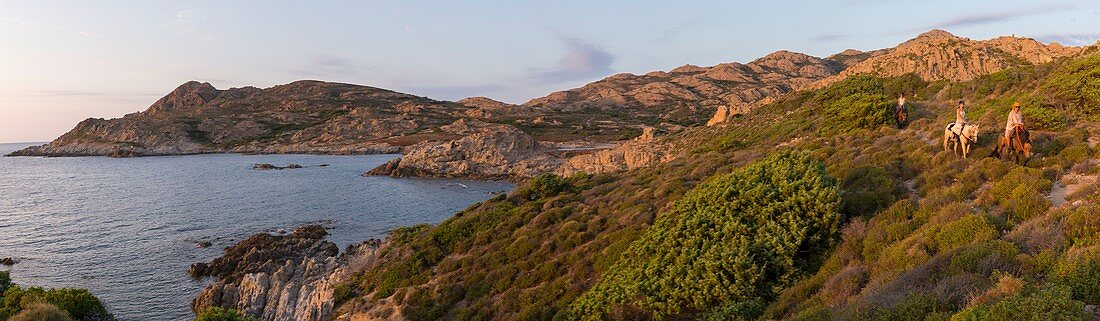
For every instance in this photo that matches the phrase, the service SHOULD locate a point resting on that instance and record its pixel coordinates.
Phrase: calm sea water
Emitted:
(126, 229)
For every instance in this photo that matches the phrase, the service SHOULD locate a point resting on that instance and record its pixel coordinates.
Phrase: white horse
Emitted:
(968, 136)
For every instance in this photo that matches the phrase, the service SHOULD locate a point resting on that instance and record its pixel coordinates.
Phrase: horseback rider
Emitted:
(1015, 120)
(901, 104)
(960, 118)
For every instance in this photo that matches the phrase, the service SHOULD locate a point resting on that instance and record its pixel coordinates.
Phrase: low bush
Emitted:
(1080, 272)
(867, 190)
(78, 303)
(41, 312)
(1049, 304)
(221, 314)
(1082, 226)
(967, 230)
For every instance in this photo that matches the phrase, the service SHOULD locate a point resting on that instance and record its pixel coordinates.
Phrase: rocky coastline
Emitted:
(281, 277)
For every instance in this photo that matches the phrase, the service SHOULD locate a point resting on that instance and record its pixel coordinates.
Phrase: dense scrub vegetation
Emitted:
(220, 314)
(34, 303)
(928, 236)
(735, 238)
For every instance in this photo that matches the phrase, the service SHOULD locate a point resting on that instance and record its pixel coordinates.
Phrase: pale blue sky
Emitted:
(63, 61)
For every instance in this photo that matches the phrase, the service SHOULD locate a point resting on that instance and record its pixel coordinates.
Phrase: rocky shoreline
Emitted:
(281, 277)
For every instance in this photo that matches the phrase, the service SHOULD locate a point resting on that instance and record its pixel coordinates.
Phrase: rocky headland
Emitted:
(281, 277)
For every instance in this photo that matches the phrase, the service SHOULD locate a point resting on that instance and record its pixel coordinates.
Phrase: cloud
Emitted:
(829, 38)
(999, 16)
(581, 61)
(328, 66)
(89, 34)
(1071, 39)
(186, 22)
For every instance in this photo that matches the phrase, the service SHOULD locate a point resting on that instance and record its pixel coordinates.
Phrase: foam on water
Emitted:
(126, 228)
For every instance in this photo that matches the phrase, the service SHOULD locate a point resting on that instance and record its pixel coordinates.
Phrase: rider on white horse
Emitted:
(960, 119)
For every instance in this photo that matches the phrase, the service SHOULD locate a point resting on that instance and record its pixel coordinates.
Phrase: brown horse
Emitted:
(1019, 144)
(902, 115)
(969, 136)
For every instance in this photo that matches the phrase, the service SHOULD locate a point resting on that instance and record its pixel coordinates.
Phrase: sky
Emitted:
(64, 61)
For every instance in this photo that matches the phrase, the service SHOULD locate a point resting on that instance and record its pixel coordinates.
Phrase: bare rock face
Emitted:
(681, 93)
(939, 55)
(281, 278)
(493, 152)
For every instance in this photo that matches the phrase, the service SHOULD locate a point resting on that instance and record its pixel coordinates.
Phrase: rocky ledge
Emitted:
(488, 151)
(281, 278)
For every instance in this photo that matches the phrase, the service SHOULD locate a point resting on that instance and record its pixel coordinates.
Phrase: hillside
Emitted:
(921, 234)
(300, 117)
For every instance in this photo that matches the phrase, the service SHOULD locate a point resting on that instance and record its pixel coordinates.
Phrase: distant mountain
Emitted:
(300, 117)
(940, 55)
(689, 94)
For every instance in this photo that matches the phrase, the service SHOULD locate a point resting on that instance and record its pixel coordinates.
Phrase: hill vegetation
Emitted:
(905, 231)
(38, 304)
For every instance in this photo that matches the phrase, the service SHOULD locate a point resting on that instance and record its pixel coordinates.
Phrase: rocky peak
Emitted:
(784, 55)
(939, 55)
(483, 102)
(188, 95)
(936, 34)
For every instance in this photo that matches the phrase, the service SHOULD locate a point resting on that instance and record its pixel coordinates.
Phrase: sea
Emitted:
(128, 228)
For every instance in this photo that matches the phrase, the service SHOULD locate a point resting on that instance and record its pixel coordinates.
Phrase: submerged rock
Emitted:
(265, 166)
(281, 277)
(8, 261)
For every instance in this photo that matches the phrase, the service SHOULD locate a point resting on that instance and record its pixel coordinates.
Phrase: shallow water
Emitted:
(126, 229)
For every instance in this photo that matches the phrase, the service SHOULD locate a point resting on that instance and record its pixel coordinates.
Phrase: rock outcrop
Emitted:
(281, 278)
(489, 152)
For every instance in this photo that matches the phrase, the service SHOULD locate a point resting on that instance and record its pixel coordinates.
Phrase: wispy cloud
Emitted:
(581, 61)
(1071, 39)
(998, 16)
(186, 22)
(328, 66)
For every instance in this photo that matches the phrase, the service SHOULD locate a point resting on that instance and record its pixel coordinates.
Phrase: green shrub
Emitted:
(41, 312)
(1081, 273)
(970, 259)
(220, 314)
(733, 239)
(1050, 304)
(858, 102)
(5, 282)
(1082, 226)
(1078, 84)
(1020, 193)
(967, 230)
(80, 304)
(544, 186)
(868, 190)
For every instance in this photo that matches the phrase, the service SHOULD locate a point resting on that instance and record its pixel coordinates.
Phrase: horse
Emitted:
(969, 136)
(901, 116)
(1018, 144)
